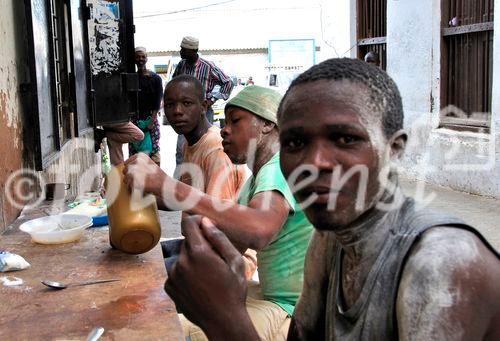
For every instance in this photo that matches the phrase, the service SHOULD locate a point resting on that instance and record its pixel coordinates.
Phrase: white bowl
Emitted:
(57, 229)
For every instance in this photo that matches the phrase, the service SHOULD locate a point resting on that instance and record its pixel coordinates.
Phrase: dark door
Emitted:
(114, 83)
(43, 133)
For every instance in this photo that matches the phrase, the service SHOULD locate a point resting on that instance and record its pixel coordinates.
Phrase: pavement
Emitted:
(481, 212)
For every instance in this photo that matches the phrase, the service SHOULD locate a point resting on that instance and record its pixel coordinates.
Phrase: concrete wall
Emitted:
(77, 164)
(234, 64)
(12, 66)
(412, 33)
(338, 26)
(495, 105)
(463, 161)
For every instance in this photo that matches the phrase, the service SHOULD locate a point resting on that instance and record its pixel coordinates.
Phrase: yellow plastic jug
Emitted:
(134, 224)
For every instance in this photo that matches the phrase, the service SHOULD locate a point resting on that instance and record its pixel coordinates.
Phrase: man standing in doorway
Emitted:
(207, 73)
(150, 96)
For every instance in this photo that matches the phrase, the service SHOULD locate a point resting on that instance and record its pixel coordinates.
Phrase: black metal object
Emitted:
(114, 81)
(80, 81)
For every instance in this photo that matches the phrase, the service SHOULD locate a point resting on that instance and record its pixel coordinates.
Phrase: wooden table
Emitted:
(135, 308)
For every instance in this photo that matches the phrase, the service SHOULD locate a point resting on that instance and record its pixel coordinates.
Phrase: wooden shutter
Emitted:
(42, 124)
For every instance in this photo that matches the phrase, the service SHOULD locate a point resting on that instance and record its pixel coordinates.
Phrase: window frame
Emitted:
(50, 131)
(372, 38)
(458, 39)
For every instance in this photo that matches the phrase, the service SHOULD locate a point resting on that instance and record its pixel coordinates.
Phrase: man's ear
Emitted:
(398, 144)
(204, 105)
(268, 127)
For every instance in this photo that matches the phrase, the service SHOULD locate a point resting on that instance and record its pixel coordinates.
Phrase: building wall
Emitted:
(240, 65)
(12, 66)
(338, 29)
(77, 164)
(461, 160)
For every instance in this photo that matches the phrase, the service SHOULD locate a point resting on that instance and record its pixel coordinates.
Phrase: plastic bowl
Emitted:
(100, 220)
(57, 229)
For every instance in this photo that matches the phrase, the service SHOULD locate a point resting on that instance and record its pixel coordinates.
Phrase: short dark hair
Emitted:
(383, 92)
(198, 87)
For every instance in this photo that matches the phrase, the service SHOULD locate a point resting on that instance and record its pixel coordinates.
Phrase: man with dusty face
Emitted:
(242, 128)
(344, 143)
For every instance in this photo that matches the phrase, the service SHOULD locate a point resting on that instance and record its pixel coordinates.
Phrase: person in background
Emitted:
(372, 58)
(378, 267)
(250, 81)
(150, 95)
(207, 73)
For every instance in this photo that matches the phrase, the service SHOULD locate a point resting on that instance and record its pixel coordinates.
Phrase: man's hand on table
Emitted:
(208, 282)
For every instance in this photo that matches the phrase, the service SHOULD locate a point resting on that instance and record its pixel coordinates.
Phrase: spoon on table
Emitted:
(95, 334)
(59, 285)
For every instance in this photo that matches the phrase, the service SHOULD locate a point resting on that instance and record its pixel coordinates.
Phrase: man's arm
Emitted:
(256, 224)
(158, 92)
(178, 68)
(449, 289)
(158, 88)
(225, 83)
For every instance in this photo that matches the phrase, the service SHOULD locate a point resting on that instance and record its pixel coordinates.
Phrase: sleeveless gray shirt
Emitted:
(373, 314)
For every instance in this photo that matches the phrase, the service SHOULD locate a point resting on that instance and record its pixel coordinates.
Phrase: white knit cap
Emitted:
(140, 49)
(190, 43)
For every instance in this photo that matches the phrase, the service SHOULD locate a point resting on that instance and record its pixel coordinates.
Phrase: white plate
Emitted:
(57, 229)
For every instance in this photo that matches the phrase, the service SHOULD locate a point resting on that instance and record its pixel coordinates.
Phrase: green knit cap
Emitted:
(258, 100)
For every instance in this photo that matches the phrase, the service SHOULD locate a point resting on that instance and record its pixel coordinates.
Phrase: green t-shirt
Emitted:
(281, 263)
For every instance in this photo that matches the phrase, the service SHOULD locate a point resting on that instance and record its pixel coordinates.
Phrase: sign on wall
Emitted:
(292, 52)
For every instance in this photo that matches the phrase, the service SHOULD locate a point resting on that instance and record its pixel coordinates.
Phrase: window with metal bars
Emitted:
(61, 69)
(372, 28)
(57, 93)
(467, 64)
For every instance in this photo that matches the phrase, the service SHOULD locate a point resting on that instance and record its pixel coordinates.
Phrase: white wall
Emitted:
(496, 68)
(464, 161)
(338, 26)
(234, 65)
(412, 29)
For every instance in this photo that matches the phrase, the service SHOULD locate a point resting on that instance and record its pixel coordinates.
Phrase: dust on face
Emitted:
(333, 126)
(242, 129)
